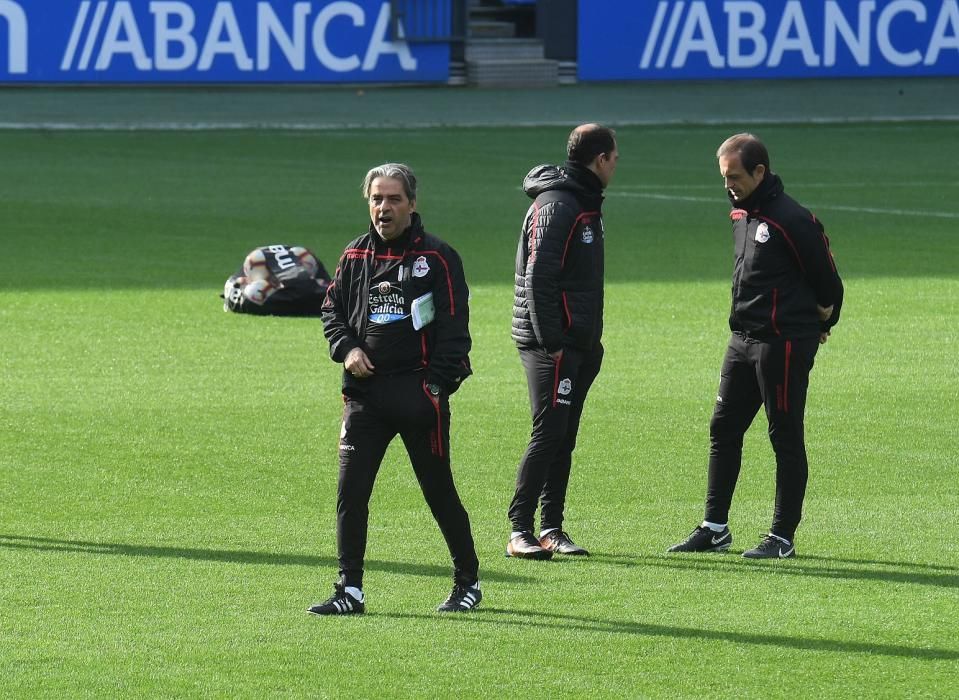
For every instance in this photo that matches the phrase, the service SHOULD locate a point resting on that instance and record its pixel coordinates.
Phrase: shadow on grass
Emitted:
(239, 556)
(816, 566)
(536, 618)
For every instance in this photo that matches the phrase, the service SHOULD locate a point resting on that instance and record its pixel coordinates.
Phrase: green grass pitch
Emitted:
(167, 471)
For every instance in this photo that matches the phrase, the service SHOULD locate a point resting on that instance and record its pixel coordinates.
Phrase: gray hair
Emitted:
(397, 171)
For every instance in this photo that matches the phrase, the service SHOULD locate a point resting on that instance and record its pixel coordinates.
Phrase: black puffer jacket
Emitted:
(782, 267)
(446, 341)
(558, 299)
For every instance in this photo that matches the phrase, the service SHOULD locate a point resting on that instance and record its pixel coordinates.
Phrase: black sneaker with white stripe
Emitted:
(340, 603)
(462, 599)
(772, 547)
(702, 539)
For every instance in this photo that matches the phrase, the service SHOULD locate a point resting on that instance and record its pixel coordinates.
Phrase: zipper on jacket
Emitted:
(741, 260)
(773, 314)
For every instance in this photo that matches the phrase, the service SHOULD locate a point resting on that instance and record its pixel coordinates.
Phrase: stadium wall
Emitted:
(199, 41)
(355, 41)
(700, 39)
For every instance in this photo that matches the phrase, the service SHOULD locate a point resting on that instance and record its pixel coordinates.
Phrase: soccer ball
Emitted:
(306, 258)
(258, 278)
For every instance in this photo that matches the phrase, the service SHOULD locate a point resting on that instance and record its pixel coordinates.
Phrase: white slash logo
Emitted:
(92, 33)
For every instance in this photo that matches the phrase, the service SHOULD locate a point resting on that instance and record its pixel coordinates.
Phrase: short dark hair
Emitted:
(751, 151)
(588, 141)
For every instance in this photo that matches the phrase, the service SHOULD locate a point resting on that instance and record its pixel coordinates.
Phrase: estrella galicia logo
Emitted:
(16, 21)
(587, 235)
(387, 303)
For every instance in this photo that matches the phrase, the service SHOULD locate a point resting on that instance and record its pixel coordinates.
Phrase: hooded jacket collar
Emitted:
(770, 188)
(573, 177)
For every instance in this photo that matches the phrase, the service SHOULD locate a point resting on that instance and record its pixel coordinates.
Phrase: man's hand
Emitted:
(823, 337)
(358, 364)
(825, 312)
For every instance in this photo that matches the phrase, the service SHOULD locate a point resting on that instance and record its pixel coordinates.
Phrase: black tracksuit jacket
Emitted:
(558, 294)
(446, 341)
(782, 267)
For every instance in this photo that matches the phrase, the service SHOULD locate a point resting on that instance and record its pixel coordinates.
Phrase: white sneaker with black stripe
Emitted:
(340, 603)
(463, 598)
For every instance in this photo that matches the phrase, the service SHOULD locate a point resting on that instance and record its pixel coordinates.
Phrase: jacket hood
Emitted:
(571, 176)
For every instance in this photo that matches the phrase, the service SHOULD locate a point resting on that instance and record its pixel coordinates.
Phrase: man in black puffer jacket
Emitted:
(557, 325)
(786, 298)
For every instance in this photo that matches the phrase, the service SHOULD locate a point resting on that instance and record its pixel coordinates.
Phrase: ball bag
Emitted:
(277, 280)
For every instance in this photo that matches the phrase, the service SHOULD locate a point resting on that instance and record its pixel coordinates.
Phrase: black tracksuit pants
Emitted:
(389, 406)
(557, 393)
(774, 375)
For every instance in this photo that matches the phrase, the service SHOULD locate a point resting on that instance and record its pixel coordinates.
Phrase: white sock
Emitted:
(781, 539)
(355, 592)
(715, 527)
(543, 533)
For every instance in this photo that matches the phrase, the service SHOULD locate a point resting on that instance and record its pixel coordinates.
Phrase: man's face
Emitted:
(390, 209)
(606, 166)
(739, 183)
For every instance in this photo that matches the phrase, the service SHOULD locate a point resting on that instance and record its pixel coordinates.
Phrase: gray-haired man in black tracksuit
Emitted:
(397, 316)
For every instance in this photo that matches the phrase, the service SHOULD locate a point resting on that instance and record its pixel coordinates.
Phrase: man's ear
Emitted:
(760, 172)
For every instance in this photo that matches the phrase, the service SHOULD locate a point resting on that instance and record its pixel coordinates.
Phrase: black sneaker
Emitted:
(702, 539)
(340, 603)
(462, 599)
(771, 547)
(525, 546)
(559, 542)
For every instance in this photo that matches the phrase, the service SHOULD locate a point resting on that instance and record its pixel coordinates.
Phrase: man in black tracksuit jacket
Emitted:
(557, 325)
(396, 315)
(786, 298)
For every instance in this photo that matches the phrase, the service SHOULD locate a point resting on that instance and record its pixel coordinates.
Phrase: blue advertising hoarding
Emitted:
(703, 39)
(209, 41)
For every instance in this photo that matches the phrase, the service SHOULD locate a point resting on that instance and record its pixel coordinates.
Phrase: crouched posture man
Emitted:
(786, 298)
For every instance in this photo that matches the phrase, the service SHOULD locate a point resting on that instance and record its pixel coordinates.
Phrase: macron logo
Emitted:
(17, 33)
